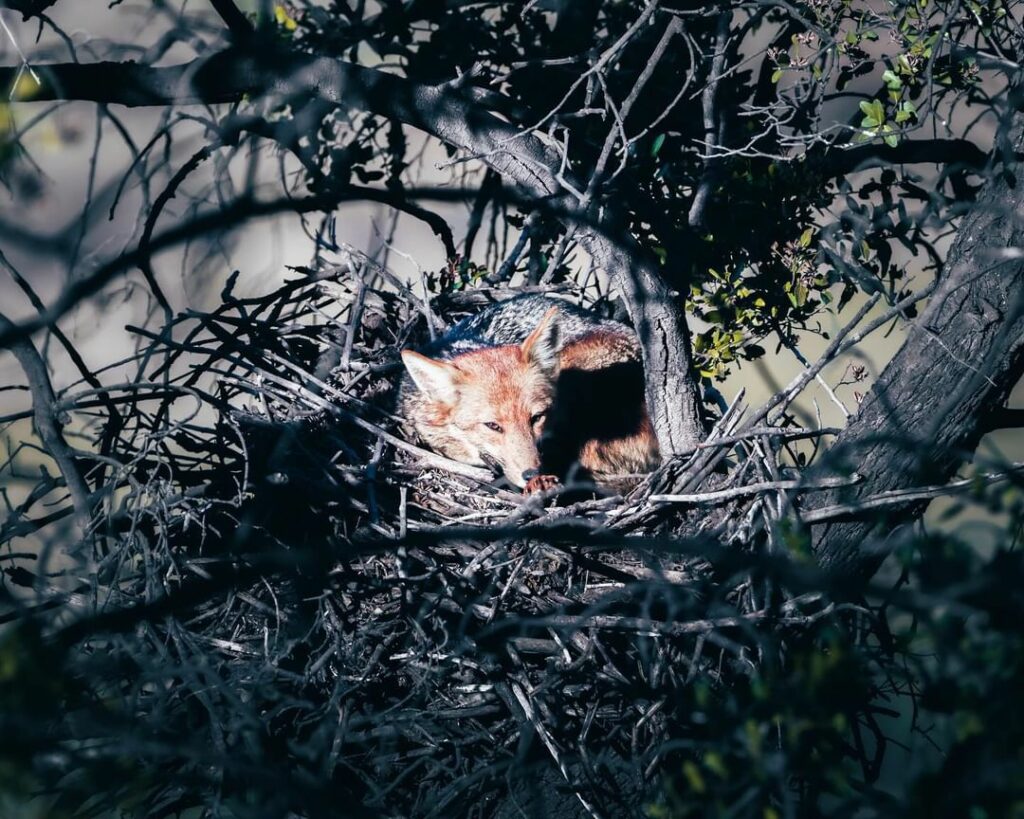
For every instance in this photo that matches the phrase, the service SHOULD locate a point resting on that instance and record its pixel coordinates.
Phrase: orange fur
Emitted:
(599, 416)
(496, 385)
(531, 407)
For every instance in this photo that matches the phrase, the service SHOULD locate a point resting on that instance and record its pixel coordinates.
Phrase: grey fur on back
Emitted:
(511, 321)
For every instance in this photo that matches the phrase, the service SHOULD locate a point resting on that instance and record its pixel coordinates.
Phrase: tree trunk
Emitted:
(929, 408)
(673, 396)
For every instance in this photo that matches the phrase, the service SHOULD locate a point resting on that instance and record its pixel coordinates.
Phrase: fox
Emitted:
(535, 389)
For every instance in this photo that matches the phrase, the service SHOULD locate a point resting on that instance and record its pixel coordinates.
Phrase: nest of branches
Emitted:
(286, 607)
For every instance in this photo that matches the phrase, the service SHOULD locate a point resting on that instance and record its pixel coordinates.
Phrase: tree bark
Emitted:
(673, 395)
(929, 408)
(459, 117)
(48, 427)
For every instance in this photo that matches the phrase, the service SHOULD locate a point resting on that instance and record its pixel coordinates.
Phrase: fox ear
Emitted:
(435, 379)
(543, 345)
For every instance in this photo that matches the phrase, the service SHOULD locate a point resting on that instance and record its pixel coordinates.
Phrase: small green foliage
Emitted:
(945, 658)
(457, 275)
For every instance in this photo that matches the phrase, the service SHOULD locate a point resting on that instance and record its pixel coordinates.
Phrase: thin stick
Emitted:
(756, 489)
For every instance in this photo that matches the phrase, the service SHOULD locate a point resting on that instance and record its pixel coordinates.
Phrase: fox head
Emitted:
(487, 407)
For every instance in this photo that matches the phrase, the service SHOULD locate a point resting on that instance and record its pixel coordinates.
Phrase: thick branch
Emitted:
(227, 76)
(928, 409)
(711, 121)
(454, 116)
(238, 24)
(44, 412)
(953, 152)
(29, 8)
(673, 397)
(1004, 418)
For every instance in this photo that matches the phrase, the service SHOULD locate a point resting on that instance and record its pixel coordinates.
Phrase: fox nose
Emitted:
(530, 474)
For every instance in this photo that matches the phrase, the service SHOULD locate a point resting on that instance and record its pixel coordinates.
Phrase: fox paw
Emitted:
(540, 483)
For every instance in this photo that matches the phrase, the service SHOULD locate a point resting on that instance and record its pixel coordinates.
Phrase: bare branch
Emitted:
(912, 496)
(238, 24)
(48, 425)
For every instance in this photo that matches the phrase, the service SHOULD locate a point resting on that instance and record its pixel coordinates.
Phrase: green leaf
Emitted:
(776, 75)
(659, 140)
(893, 82)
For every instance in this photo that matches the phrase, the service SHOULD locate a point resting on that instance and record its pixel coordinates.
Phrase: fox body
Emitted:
(532, 385)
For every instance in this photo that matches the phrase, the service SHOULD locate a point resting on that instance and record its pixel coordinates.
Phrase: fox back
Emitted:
(532, 385)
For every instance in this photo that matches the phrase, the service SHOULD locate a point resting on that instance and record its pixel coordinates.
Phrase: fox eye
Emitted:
(493, 426)
(537, 417)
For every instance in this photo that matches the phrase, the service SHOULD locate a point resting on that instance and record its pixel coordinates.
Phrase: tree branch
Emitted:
(1004, 418)
(455, 116)
(238, 24)
(953, 152)
(238, 212)
(711, 121)
(44, 413)
(29, 8)
(913, 495)
(964, 353)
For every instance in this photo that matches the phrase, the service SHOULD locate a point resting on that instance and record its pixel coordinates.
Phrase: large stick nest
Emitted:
(300, 610)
